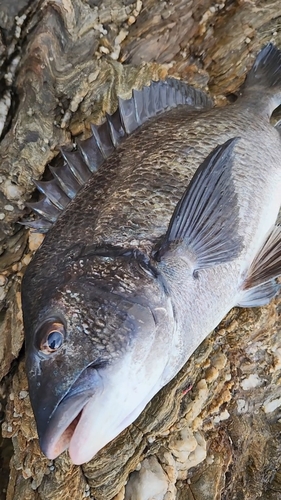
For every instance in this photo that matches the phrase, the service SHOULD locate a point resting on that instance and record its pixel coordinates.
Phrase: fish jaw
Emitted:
(86, 421)
(120, 408)
(55, 434)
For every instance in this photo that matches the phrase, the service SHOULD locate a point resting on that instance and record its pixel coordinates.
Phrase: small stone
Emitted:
(242, 406)
(250, 382)
(150, 482)
(270, 406)
(104, 50)
(138, 7)
(183, 444)
(93, 76)
(2, 294)
(3, 280)
(16, 415)
(35, 240)
(26, 260)
(23, 394)
(224, 415)
(9, 208)
(12, 192)
(131, 20)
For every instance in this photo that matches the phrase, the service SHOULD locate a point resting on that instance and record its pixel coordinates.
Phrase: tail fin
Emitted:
(266, 71)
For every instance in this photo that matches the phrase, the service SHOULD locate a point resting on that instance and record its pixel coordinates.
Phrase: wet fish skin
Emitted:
(180, 143)
(96, 304)
(134, 304)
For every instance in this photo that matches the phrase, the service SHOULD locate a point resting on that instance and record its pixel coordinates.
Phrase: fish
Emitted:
(156, 227)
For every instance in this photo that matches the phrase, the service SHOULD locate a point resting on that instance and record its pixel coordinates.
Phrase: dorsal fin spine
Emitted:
(81, 163)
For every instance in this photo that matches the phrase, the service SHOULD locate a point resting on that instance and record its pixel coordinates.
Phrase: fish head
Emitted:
(97, 344)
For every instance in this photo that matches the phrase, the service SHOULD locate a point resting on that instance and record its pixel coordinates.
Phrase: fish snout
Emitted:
(58, 415)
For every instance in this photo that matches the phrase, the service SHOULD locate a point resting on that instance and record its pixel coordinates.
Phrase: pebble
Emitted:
(3, 280)
(9, 208)
(12, 192)
(149, 483)
(23, 394)
(35, 240)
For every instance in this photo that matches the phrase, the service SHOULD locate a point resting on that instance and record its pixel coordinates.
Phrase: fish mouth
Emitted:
(56, 435)
(79, 450)
(86, 420)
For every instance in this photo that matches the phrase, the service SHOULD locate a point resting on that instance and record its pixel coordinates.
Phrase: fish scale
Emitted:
(111, 223)
(173, 228)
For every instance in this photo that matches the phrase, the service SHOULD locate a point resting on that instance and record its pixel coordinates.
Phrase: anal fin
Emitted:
(260, 285)
(267, 263)
(259, 295)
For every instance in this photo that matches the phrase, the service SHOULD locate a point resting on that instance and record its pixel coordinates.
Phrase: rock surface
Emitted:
(214, 432)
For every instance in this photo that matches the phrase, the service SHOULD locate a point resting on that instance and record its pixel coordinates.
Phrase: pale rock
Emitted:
(202, 394)
(199, 454)
(224, 415)
(219, 360)
(35, 240)
(12, 191)
(183, 444)
(242, 406)
(250, 382)
(149, 483)
(270, 406)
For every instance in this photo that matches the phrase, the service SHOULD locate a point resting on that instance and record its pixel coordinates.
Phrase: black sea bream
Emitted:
(147, 258)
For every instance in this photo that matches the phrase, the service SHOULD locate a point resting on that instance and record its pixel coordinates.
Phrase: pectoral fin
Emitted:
(260, 285)
(205, 220)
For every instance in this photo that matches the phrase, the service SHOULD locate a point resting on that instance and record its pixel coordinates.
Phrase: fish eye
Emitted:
(53, 337)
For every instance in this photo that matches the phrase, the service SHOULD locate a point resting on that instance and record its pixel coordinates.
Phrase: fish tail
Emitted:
(266, 70)
(262, 86)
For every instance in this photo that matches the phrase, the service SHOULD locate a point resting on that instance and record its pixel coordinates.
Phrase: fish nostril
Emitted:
(97, 365)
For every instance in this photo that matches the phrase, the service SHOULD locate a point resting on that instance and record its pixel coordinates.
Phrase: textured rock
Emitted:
(213, 433)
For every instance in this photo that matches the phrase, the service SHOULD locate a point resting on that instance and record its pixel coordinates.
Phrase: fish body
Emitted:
(148, 258)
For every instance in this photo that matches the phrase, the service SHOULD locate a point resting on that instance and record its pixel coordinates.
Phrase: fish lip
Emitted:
(76, 453)
(67, 410)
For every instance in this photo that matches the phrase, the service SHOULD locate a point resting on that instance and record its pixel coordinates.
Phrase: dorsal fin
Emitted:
(78, 165)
